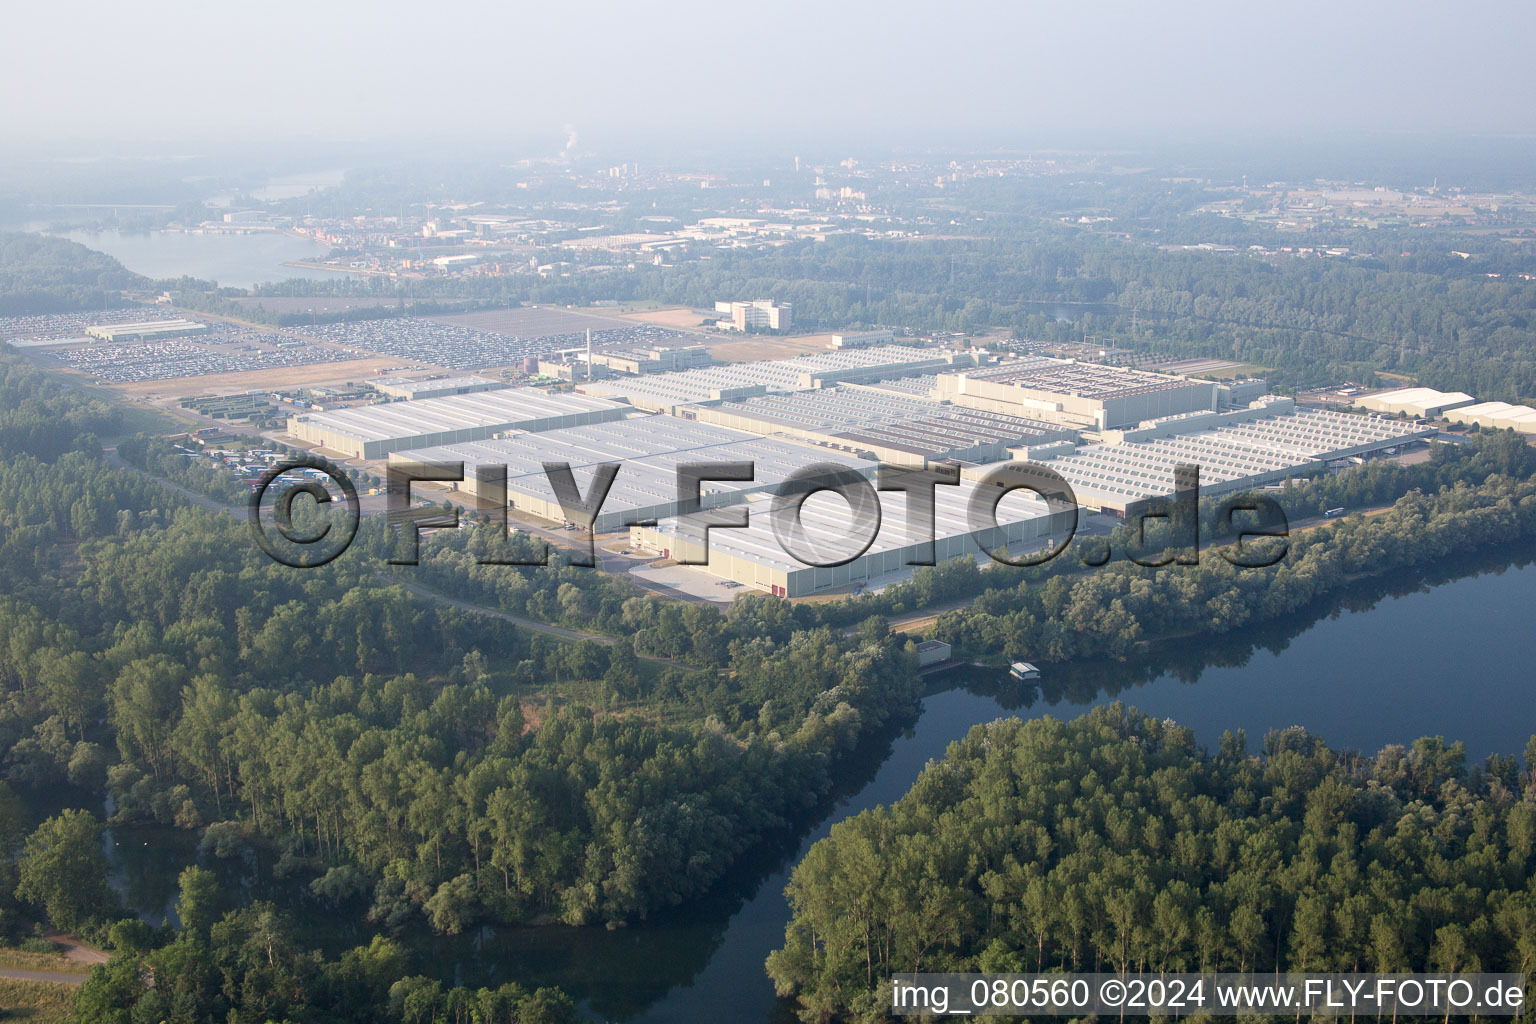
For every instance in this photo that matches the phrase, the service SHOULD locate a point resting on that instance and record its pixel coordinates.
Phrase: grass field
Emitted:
(39, 1002)
(22, 960)
(676, 317)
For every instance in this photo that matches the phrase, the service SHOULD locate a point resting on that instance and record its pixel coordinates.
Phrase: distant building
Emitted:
(1239, 394)
(374, 431)
(1496, 416)
(145, 330)
(932, 652)
(399, 387)
(1088, 395)
(756, 315)
(1421, 402)
(863, 339)
(655, 360)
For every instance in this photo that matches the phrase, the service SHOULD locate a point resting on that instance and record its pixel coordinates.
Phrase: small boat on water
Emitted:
(1023, 671)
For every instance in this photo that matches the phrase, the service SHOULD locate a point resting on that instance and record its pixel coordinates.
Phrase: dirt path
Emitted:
(72, 953)
(428, 594)
(77, 951)
(202, 500)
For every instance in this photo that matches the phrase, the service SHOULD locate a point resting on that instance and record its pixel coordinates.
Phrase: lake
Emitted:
(234, 261)
(1446, 652)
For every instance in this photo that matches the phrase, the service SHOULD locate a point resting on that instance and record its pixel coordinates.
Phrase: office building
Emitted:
(755, 315)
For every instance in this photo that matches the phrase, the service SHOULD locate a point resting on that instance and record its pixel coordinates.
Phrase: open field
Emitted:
(532, 322)
(38, 1002)
(679, 318)
(50, 963)
(276, 377)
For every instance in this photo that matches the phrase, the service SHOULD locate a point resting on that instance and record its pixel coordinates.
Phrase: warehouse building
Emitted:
(1088, 395)
(649, 450)
(1496, 416)
(754, 555)
(1426, 403)
(863, 339)
(1239, 394)
(890, 428)
(921, 386)
(146, 330)
(1236, 451)
(374, 431)
(666, 392)
(399, 387)
(654, 360)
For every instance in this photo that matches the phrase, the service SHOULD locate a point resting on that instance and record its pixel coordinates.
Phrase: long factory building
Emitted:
(146, 330)
(648, 449)
(1496, 416)
(755, 556)
(400, 387)
(666, 392)
(1236, 451)
(855, 409)
(1425, 402)
(1087, 395)
(374, 431)
(891, 428)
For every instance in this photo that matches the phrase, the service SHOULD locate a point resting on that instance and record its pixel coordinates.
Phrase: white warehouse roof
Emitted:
(1230, 456)
(1496, 414)
(503, 409)
(829, 526)
(698, 385)
(649, 450)
(1418, 401)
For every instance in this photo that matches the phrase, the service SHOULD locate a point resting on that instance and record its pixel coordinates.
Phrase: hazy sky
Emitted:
(690, 72)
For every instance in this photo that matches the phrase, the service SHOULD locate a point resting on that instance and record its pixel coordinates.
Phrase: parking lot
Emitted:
(224, 349)
(59, 328)
(694, 583)
(456, 347)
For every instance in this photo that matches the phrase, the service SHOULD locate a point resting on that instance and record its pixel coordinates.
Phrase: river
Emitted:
(1386, 661)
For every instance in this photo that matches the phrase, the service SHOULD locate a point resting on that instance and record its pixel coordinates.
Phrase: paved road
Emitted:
(54, 976)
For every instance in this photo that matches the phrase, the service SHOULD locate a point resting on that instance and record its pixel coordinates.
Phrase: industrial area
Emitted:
(505, 392)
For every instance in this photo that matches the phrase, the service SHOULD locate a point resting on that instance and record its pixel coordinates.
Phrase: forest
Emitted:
(427, 754)
(42, 274)
(1113, 843)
